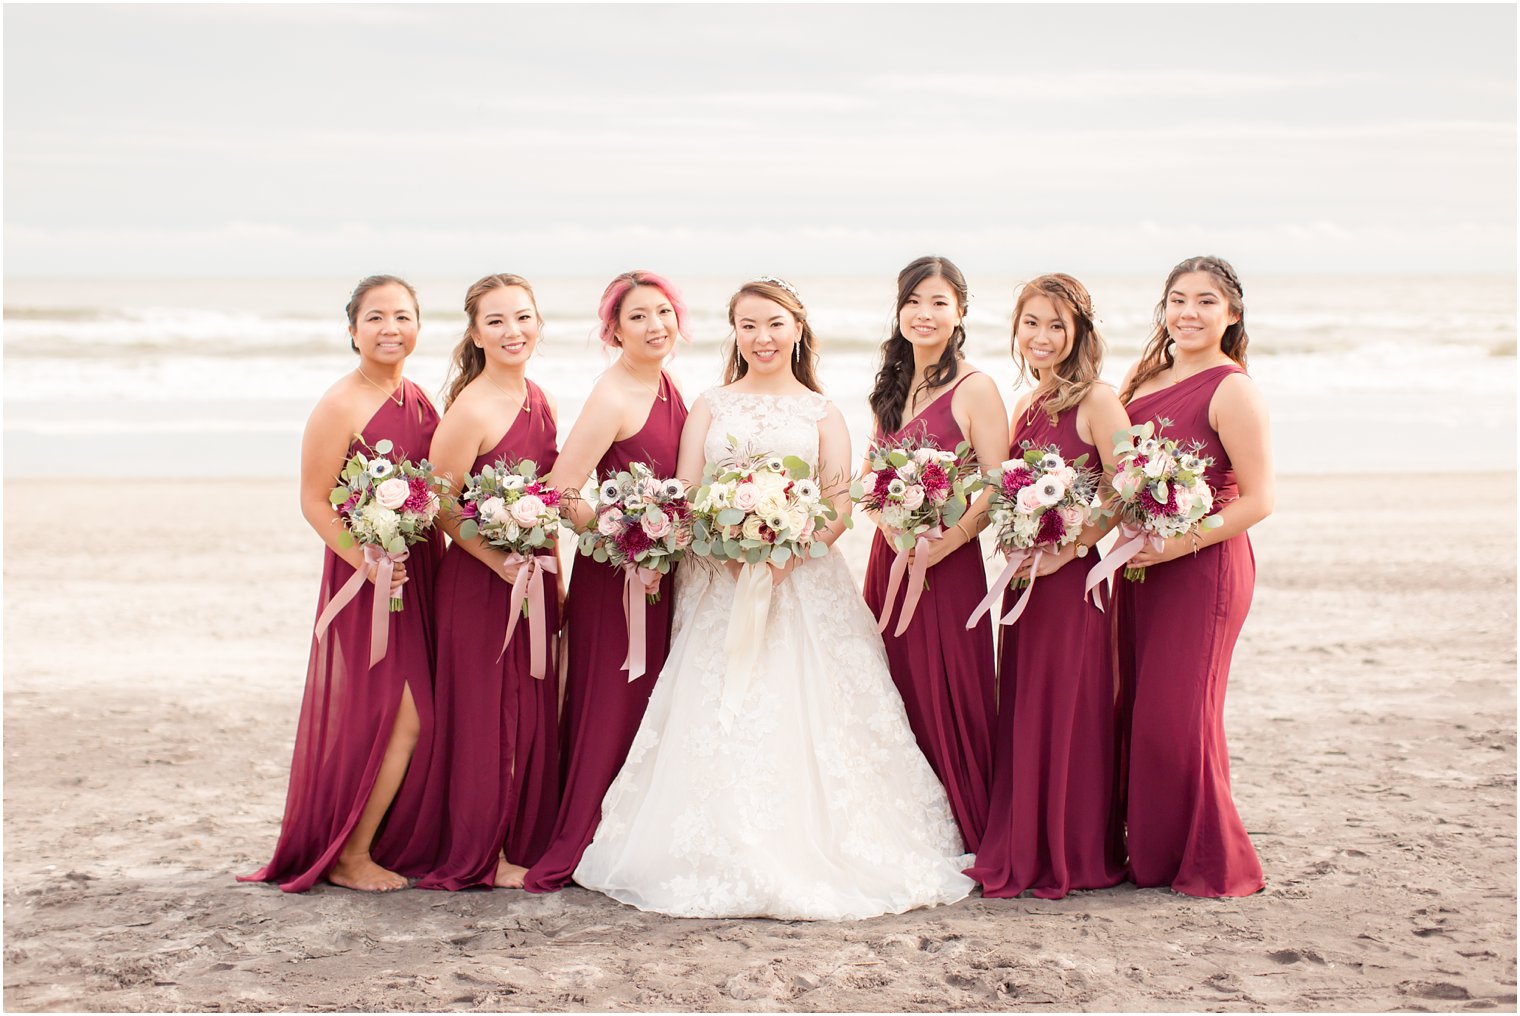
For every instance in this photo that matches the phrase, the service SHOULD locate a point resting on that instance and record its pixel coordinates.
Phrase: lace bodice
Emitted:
(772, 424)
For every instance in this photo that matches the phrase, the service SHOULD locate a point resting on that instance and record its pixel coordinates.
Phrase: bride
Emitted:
(812, 800)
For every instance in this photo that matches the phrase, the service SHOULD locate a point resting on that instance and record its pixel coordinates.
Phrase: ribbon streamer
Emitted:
(381, 564)
(1015, 558)
(527, 581)
(1018, 608)
(634, 605)
(916, 578)
(745, 643)
(1134, 540)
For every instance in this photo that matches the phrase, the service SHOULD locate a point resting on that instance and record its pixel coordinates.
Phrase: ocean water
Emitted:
(214, 378)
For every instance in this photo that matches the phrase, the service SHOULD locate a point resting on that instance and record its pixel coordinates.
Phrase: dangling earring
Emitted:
(797, 352)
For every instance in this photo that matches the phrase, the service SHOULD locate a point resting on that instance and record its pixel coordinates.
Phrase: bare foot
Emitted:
(509, 875)
(359, 872)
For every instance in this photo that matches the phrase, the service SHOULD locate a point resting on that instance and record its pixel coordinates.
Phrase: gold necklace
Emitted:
(655, 391)
(508, 394)
(398, 397)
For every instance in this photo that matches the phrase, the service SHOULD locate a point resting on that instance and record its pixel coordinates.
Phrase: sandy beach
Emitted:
(153, 671)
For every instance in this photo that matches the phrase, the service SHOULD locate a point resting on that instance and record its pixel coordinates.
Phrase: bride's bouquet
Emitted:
(919, 491)
(643, 526)
(1039, 504)
(759, 508)
(386, 505)
(510, 508)
(1160, 491)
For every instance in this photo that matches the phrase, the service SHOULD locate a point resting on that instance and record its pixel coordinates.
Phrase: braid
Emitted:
(1157, 356)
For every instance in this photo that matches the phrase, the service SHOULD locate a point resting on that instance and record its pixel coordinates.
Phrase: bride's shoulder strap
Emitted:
(815, 405)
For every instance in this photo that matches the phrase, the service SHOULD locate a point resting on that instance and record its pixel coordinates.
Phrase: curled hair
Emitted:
(469, 359)
(890, 395)
(1157, 356)
(611, 307)
(1075, 374)
(369, 282)
(804, 363)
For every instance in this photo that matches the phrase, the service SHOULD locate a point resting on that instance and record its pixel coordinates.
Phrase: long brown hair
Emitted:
(890, 395)
(1075, 374)
(470, 359)
(804, 363)
(369, 282)
(1158, 348)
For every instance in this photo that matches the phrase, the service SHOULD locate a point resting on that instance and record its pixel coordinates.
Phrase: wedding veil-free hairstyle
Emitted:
(470, 359)
(369, 282)
(804, 361)
(611, 307)
(1158, 348)
(1075, 374)
(890, 395)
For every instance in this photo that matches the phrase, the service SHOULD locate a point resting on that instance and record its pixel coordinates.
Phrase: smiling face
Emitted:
(766, 333)
(646, 328)
(385, 326)
(930, 313)
(1197, 313)
(1043, 332)
(506, 326)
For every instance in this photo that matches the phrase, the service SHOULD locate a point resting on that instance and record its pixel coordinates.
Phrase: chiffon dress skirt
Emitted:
(1176, 632)
(1054, 823)
(788, 788)
(602, 708)
(490, 782)
(349, 708)
(944, 673)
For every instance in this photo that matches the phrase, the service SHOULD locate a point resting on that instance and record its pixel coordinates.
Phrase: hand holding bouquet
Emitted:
(386, 505)
(1039, 504)
(643, 525)
(1160, 491)
(918, 491)
(510, 508)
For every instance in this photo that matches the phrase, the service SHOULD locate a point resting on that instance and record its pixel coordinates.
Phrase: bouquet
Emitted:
(755, 509)
(386, 505)
(509, 507)
(643, 525)
(1160, 490)
(1039, 504)
(920, 491)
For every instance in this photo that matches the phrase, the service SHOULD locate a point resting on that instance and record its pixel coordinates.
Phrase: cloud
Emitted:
(1106, 84)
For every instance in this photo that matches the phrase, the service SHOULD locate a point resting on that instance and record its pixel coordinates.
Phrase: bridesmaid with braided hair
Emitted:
(1054, 824)
(926, 390)
(1177, 629)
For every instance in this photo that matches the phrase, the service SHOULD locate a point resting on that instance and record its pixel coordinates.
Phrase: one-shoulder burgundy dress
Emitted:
(491, 781)
(944, 673)
(1176, 632)
(349, 708)
(1053, 823)
(602, 709)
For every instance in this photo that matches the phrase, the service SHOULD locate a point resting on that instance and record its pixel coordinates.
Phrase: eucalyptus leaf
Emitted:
(346, 539)
(383, 447)
(469, 529)
(817, 549)
(338, 495)
(898, 458)
(781, 555)
(796, 467)
(755, 556)
(730, 517)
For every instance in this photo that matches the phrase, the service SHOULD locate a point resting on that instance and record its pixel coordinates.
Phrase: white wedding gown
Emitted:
(817, 803)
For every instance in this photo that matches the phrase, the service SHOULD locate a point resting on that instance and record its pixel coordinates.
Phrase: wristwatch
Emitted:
(1082, 549)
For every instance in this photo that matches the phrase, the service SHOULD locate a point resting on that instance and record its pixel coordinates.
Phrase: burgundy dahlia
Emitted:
(1150, 505)
(417, 498)
(1052, 527)
(934, 478)
(633, 541)
(1016, 479)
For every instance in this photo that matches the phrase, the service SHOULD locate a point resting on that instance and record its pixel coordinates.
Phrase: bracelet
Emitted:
(970, 536)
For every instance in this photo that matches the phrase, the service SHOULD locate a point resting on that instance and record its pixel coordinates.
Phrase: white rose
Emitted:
(494, 509)
(751, 530)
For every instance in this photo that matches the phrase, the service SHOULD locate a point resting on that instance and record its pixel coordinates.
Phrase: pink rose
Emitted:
(1072, 517)
(746, 496)
(806, 536)
(1029, 500)
(433, 504)
(392, 493)
(656, 523)
(608, 523)
(1067, 475)
(913, 497)
(527, 509)
(683, 537)
(1183, 499)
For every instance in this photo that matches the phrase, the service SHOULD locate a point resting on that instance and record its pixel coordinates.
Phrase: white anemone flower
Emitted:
(608, 492)
(673, 488)
(1050, 462)
(896, 487)
(379, 469)
(1050, 490)
(511, 481)
(806, 490)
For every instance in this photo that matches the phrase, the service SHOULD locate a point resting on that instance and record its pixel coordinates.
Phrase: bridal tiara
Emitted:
(775, 281)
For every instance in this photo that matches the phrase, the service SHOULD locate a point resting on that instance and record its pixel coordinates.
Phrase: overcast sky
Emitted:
(843, 140)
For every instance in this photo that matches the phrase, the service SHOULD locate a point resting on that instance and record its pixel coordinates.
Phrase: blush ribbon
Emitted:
(381, 564)
(1133, 539)
(1015, 558)
(528, 580)
(635, 604)
(916, 577)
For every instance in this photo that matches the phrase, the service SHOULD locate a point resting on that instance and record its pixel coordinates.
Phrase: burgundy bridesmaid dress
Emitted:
(349, 708)
(1176, 631)
(1053, 825)
(602, 709)
(491, 781)
(944, 672)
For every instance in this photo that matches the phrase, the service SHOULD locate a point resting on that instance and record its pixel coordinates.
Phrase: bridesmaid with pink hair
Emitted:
(1054, 823)
(361, 718)
(1177, 629)
(477, 809)
(634, 414)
